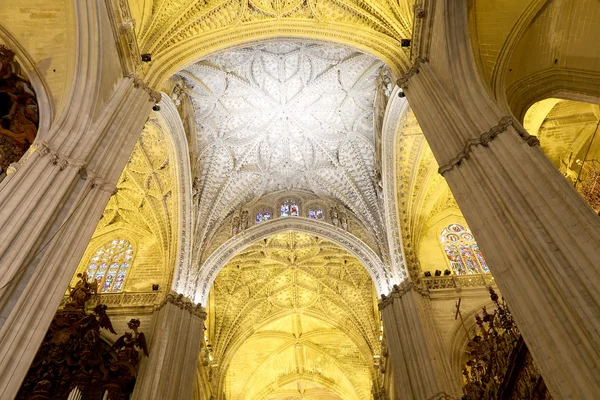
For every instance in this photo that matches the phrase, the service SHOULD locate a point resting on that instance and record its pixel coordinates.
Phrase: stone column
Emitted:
(49, 209)
(177, 333)
(541, 239)
(420, 368)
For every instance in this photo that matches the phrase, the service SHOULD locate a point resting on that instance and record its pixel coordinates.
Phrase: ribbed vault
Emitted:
(294, 317)
(283, 116)
(179, 32)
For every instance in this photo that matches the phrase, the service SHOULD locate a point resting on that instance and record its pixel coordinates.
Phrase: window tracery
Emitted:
(110, 264)
(289, 208)
(462, 251)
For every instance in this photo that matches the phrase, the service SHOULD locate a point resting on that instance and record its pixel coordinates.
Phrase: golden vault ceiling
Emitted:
(423, 194)
(144, 209)
(293, 317)
(178, 32)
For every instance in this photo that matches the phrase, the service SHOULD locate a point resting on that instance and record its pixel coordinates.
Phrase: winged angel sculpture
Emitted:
(74, 353)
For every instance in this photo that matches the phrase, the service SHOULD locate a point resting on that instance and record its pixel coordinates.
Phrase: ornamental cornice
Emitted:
(138, 82)
(400, 290)
(184, 303)
(485, 138)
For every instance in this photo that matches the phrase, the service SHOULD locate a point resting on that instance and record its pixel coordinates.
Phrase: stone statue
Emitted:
(244, 221)
(344, 220)
(235, 225)
(334, 216)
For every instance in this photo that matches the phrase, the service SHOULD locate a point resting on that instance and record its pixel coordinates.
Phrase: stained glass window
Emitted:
(263, 215)
(315, 214)
(462, 251)
(289, 208)
(110, 264)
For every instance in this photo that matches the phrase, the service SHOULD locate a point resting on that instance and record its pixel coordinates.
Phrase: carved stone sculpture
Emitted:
(244, 221)
(344, 220)
(335, 217)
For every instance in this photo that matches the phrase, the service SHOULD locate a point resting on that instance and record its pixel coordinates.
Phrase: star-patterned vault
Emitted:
(282, 116)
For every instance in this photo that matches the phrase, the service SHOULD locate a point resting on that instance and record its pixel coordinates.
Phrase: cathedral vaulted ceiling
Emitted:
(176, 32)
(291, 316)
(282, 116)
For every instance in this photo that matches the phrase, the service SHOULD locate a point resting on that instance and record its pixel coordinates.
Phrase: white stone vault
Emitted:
(379, 272)
(282, 116)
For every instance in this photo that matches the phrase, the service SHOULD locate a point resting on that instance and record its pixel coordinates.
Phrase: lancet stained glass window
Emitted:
(462, 251)
(315, 214)
(110, 264)
(289, 208)
(263, 215)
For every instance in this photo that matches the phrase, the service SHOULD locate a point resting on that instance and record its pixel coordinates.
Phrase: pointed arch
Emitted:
(379, 272)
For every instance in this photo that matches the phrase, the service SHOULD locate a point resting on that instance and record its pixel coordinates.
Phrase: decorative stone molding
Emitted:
(399, 291)
(485, 138)
(123, 26)
(123, 299)
(182, 302)
(395, 117)
(139, 83)
(44, 149)
(403, 81)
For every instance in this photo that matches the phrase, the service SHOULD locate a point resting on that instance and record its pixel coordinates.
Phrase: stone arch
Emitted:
(169, 116)
(396, 113)
(563, 83)
(188, 51)
(379, 272)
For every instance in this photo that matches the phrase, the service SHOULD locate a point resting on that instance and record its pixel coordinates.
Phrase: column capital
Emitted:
(178, 300)
(139, 83)
(485, 138)
(400, 290)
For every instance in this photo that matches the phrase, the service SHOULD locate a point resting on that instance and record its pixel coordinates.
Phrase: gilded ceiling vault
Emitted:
(294, 315)
(144, 209)
(285, 116)
(178, 32)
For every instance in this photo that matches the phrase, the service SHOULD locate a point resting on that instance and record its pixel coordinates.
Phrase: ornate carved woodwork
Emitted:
(19, 115)
(73, 353)
(500, 365)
